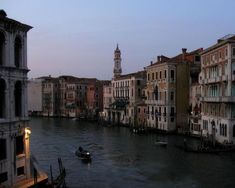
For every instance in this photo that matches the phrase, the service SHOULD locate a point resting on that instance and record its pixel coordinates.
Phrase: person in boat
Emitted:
(80, 149)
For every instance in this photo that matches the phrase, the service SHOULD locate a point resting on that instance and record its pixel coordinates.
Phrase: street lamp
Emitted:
(27, 132)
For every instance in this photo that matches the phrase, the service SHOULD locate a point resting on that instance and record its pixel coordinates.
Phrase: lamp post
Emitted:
(27, 153)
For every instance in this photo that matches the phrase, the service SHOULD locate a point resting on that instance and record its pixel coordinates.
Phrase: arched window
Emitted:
(233, 130)
(2, 48)
(18, 51)
(156, 92)
(220, 129)
(2, 98)
(18, 98)
(225, 130)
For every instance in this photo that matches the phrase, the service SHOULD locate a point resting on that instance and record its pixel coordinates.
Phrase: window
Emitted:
(3, 177)
(20, 171)
(152, 76)
(232, 110)
(138, 82)
(172, 75)
(197, 58)
(233, 89)
(19, 145)
(3, 151)
(233, 130)
(160, 76)
(223, 129)
(17, 95)
(2, 98)
(172, 111)
(233, 52)
(205, 124)
(172, 95)
(233, 68)
(139, 92)
(2, 48)
(165, 74)
(156, 92)
(148, 77)
(220, 54)
(18, 51)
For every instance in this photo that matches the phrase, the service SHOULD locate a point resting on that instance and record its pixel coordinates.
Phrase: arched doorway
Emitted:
(2, 98)
(18, 98)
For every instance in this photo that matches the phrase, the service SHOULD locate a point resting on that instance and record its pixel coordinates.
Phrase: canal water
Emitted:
(122, 159)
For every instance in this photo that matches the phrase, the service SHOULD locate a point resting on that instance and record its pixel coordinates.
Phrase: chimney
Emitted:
(158, 58)
(184, 51)
(151, 62)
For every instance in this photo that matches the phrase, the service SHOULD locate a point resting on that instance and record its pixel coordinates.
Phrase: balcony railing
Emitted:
(156, 102)
(218, 99)
(214, 80)
(210, 99)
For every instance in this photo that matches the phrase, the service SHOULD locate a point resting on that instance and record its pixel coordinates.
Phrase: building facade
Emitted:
(34, 91)
(107, 100)
(168, 86)
(14, 135)
(67, 96)
(126, 94)
(50, 106)
(217, 79)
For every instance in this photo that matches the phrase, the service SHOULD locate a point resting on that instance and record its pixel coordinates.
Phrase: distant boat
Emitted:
(83, 154)
(138, 130)
(161, 143)
(209, 150)
(74, 119)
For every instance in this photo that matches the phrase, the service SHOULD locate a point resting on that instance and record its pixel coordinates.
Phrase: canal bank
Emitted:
(122, 159)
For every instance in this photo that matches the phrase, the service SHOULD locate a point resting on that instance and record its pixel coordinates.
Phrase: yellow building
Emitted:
(168, 82)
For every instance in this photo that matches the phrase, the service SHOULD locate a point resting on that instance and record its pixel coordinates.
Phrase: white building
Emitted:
(14, 135)
(217, 78)
(35, 96)
(126, 94)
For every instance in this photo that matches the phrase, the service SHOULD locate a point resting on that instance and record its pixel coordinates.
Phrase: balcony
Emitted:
(226, 99)
(215, 79)
(210, 99)
(156, 102)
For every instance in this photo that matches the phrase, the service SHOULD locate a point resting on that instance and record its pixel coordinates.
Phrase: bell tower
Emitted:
(117, 71)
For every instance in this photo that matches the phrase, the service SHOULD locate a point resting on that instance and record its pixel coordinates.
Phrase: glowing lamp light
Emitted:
(27, 131)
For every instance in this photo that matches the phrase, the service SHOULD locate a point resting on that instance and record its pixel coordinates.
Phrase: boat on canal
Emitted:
(83, 154)
(161, 143)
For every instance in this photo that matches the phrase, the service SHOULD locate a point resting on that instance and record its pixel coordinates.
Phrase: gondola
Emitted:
(83, 154)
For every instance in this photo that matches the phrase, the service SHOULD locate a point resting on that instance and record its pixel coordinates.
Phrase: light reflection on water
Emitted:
(122, 159)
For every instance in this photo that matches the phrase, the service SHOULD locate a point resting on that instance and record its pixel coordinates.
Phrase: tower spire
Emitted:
(117, 71)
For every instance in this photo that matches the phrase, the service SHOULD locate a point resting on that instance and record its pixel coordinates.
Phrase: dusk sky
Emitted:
(78, 37)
